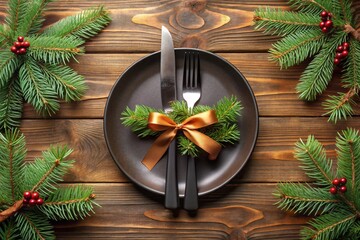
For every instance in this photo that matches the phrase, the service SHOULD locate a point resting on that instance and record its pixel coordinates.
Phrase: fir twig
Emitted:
(8, 65)
(12, 155)
(31, 20)
(303, 39)
(10, 105)
(55, 50)
(318, 74)
(44, 173)
(329, 226)
(68, 84)
(86, 24)
(35, 90)
(316, 6)
(225, 131)
(16, 9)
(34, 226)
(39, 69)
(340, 106)
(315, 163)
(305, 199)
(340, 209)
(296, 47)
(276, 21)
(69, 203)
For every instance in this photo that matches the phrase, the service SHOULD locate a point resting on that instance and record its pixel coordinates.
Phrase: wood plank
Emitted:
(272, 160)
(274, 88)
(229, 213)
(221, 25)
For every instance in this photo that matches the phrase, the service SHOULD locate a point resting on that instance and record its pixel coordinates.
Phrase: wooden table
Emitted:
(244, 208)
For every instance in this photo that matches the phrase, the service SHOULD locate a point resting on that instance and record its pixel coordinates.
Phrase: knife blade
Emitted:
(168, 94)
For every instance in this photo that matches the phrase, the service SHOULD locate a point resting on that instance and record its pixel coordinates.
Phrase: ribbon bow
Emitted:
(160, 122)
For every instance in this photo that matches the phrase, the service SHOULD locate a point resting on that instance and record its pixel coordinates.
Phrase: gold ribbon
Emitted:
(161, 122)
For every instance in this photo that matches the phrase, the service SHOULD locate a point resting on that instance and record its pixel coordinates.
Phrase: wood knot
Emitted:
(189, 19)
(196, 5)
(193, 42)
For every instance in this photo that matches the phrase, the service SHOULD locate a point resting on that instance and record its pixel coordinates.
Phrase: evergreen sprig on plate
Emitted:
(29, 192)
(334, 196)
(225, 131)
(33, 60)
(316, 29)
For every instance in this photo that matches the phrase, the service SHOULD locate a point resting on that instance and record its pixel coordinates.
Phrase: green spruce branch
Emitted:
(41, 76)
(303, 39)
(336, 216)
(225, 131)
(20, 220)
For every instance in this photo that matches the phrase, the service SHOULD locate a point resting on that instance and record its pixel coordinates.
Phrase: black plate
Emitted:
(140, 84)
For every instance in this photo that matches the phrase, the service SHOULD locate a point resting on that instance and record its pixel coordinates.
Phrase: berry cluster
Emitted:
(20, 46)
(32, 198)
(342, 52)
(338, 185)
(326, 23)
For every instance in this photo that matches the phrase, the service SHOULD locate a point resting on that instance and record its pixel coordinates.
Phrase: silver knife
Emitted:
(168, 94)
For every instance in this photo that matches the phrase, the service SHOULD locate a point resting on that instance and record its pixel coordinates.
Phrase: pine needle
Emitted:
(86, 24)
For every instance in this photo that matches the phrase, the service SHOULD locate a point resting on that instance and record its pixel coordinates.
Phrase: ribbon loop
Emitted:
(161, 122)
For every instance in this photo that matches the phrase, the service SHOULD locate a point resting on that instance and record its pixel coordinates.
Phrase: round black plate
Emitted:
(140, 84)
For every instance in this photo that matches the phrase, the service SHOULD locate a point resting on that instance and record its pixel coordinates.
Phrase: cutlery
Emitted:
(168, 94)
(191, 94)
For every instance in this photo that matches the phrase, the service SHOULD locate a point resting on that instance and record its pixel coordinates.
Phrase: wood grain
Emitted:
(243, 208)
(272, 160)
(274, 88)
(229, 213)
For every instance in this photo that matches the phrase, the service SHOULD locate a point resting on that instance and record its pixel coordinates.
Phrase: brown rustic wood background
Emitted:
(244, 208)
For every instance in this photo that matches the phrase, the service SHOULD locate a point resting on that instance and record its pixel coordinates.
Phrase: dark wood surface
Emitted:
(244, 208)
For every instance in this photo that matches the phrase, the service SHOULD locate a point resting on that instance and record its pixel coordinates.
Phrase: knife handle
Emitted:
(191, 202)
(171, 183)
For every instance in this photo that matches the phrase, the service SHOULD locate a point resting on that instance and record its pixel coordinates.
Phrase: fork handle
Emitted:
(191, 191)
(171, 183)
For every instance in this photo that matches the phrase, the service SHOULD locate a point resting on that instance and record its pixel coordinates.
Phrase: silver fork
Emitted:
(191, 94)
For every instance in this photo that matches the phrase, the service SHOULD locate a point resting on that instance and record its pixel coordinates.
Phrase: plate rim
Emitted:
(253, 144)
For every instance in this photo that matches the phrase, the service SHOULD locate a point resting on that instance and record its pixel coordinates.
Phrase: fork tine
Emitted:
(186, 75)
(197, 71)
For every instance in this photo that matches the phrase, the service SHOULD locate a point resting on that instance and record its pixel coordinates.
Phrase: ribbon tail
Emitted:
(158, 148)
(205, 142)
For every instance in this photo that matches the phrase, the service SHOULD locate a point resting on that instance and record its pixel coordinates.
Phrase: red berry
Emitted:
(338, 55)
(333, 190)
(27, 195)
(13, 49)
(322, 24)
(324, 29)
(345, 53)
(336, 61)
(35, 195)
(343, 189)
(17, 44)
(25, 201)
(340, 48)
(22, 51)
(330, 15)
(20, 39)
(40, 201)
(17, 52)
(343, 181)
(32, 202)
(25, 44)
(346, 44)
(336, 182)
(324, 14)
(328, 24)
